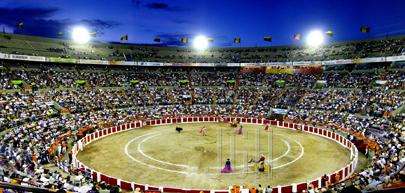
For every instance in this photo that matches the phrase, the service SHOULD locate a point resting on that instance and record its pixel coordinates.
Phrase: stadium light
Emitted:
(200, 43)
(80, 35)
(315, 38)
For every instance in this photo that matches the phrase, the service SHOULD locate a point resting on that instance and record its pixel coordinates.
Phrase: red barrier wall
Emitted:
(344, 172)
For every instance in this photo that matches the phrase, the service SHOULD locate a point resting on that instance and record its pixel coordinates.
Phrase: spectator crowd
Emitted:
(50, 102)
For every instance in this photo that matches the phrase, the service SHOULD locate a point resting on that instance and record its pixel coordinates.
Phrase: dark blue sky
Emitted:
(142, 20)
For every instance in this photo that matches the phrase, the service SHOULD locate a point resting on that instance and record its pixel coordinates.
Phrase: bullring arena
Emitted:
(153, 155)
(158, 96)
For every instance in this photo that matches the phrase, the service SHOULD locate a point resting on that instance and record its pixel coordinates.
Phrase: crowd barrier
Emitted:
(334, 177)
(133, 63)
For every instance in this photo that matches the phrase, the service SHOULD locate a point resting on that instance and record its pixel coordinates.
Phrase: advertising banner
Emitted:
(150, 64)
(278, 63)
(129, 63)
(114, 62)
(253, 69)
(310, 69)
(62, 60)
(26, 58)
(375, 59)
(301, 63)
(280, 111)
(271, 65)
(334, 62)
(279, 70)
(395, 58)
(85, 61)
(234, 64)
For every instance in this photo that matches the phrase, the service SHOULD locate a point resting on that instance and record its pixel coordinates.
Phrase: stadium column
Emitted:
(257, 154)
(232, 145)
(257, 141)
(245, 153)
(245, 163)
(269, 154)
(219, 148)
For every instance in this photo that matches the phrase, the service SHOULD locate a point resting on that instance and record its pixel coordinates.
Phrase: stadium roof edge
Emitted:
(402, 36)
(265, 64)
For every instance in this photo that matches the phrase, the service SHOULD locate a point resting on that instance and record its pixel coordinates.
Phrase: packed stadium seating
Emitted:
(52, 99)
(27, 45)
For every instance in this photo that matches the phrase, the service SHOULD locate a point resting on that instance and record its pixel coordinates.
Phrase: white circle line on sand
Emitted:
(143, 163)
(280, 166)
(285, 153)
(140, 144)
(183, 172)
(296, 159)
(149, 157)
(269, 161)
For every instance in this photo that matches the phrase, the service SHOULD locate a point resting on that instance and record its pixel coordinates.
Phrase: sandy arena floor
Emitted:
(160, 156)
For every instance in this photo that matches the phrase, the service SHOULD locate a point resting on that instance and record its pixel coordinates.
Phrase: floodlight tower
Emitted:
(315, 38)
(200, 43)
(80, 35)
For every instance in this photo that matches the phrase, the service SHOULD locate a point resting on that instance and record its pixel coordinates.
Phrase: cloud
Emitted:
(164, 7)
(37, 21)
(99, 26)
(158, 6)
(15, 14)
(34, 19)
(172, 39)
(181, 21)
(137, 3)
